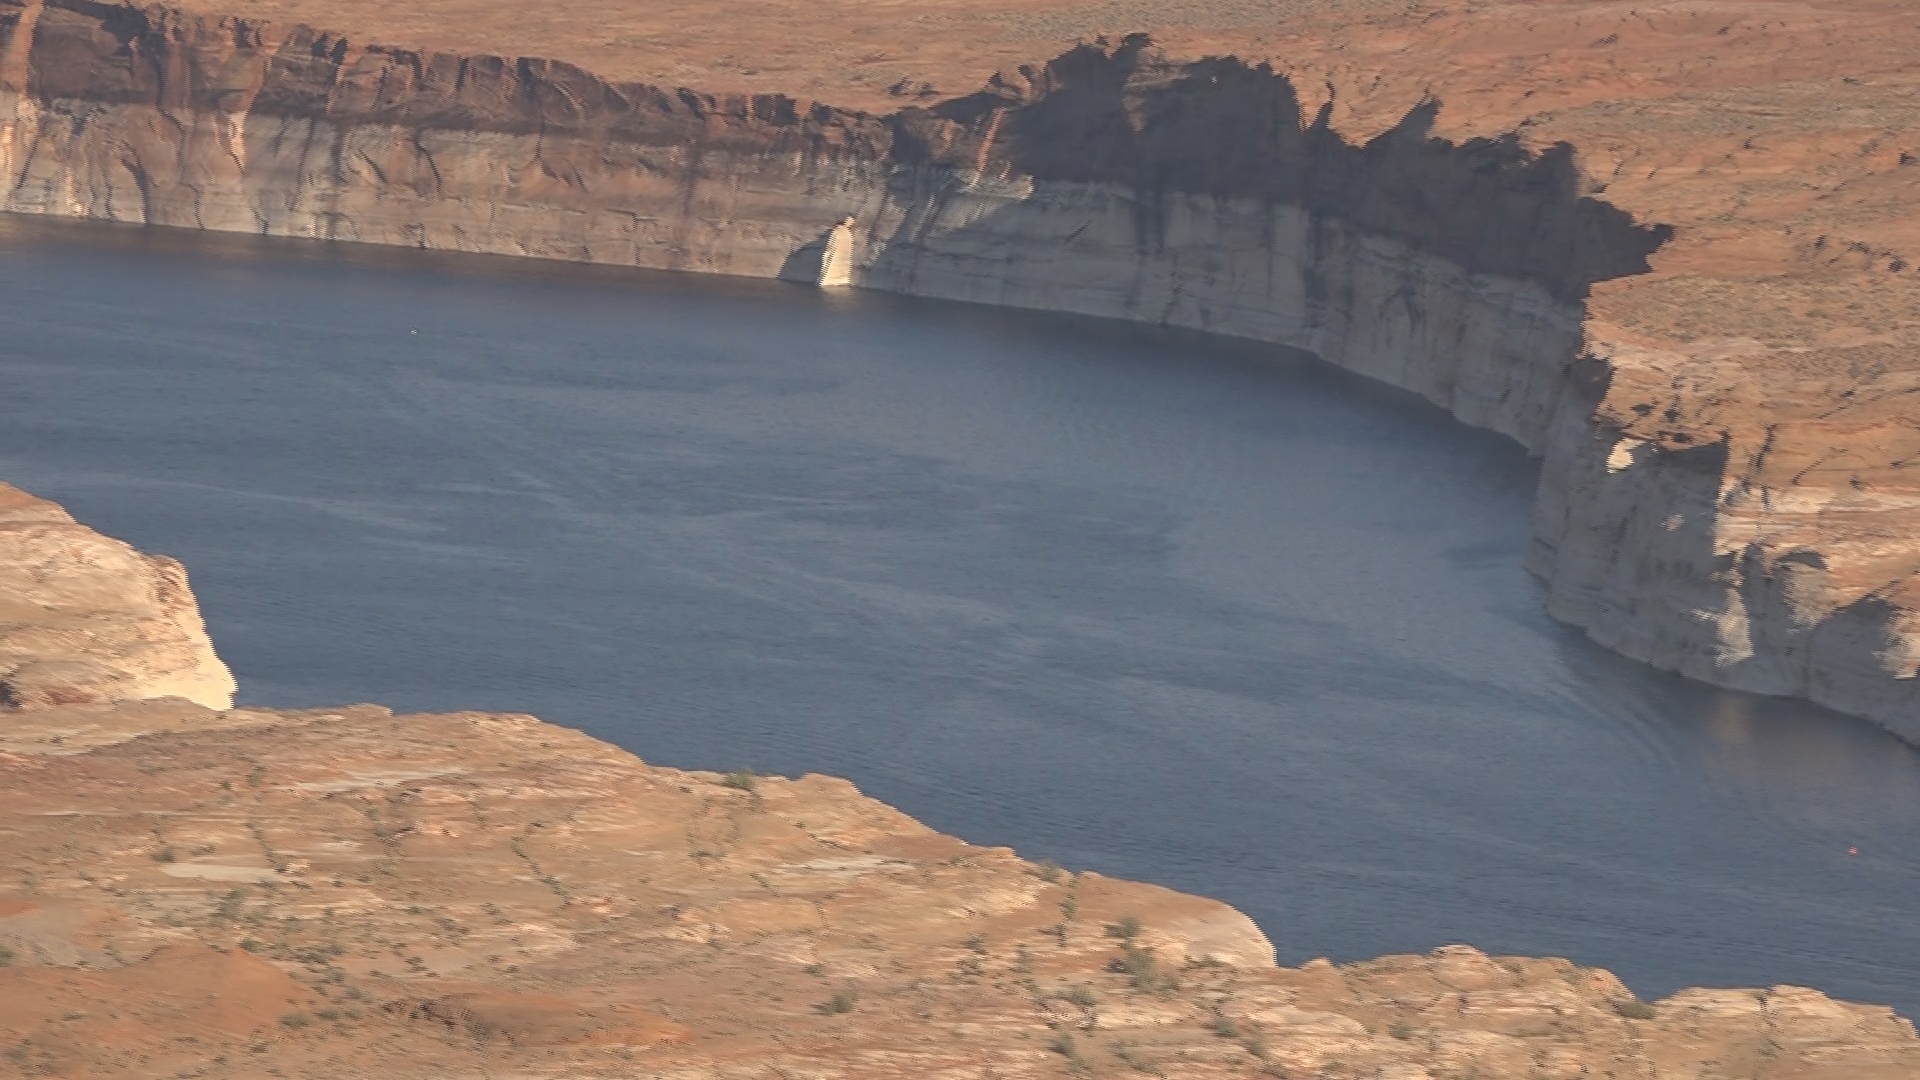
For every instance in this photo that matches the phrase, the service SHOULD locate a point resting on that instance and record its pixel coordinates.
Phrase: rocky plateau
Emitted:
(346, 893)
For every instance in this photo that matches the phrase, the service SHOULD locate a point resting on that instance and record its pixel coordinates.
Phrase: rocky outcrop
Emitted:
(1110, 181)
(85, 619)
(349, 893)
(1760, 536)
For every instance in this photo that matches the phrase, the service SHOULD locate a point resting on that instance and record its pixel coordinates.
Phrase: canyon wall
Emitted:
(1689, 516)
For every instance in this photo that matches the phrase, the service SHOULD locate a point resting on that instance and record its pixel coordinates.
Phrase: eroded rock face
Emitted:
(1748, 520)
(1114, 181)
(86, 619)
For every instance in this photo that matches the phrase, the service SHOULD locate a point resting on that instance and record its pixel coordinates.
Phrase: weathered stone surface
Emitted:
(348, 893)
(86, 619)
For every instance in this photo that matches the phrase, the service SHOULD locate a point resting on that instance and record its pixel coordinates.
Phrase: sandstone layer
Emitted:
(348, 893)
(1714, 362)
(85, 619)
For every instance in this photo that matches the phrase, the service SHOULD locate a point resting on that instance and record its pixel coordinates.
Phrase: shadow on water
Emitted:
(1173, 608)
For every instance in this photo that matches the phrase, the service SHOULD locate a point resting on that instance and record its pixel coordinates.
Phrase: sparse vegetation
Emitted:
(1126, 929)
(978, 943)
(6, 956)
(1080, 994)
(842, 1002)
(1400, 1029)
(296, 1020)
(1063, 1045)
(167, 854)
(1049, 872)
(1134, 1060)
(743, 780)
(1633, 1009)
(1142, 969)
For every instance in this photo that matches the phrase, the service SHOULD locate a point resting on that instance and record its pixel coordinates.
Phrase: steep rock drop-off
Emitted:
(346, 893)
(1746, 518)
(85, 619)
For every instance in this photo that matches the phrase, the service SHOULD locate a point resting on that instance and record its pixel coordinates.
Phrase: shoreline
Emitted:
(349, 892)
(1459, 271)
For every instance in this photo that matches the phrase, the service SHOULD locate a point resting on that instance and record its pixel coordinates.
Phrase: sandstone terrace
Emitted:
(347, 893)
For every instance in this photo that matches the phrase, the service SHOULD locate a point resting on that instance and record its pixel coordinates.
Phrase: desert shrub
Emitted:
(842, 1002)
(743, 780)
(1223, 1026)
(1126, 929)
(1136, 1061)
(1633, 1009)
(1138, 965)
(296, 1020)
(1063, 1045)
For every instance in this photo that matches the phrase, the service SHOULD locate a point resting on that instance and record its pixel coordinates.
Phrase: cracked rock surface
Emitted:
(347, 893)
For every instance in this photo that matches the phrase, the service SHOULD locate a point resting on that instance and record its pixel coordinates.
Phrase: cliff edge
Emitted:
(85, 619)
(1666, 251)
(348, 893)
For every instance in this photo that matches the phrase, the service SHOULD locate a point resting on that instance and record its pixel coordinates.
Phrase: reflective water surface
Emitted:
(1163, 606)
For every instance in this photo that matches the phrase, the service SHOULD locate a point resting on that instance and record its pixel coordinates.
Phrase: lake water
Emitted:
(1167, 607)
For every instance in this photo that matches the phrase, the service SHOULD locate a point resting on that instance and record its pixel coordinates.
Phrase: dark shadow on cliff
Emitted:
(1126, 115)
(1694, 579)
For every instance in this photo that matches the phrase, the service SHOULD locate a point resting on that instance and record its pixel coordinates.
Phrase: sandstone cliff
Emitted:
(1739, 510)
(346, 893)
(85, 619)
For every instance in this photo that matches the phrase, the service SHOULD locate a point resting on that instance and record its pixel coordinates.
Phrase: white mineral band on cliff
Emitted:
(1758, 535)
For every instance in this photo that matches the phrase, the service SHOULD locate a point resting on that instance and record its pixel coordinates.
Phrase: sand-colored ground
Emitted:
(351, 894)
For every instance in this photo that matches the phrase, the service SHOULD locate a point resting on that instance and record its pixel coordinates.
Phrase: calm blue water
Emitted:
(1162, 606)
